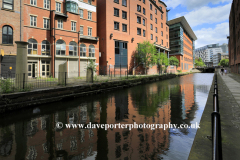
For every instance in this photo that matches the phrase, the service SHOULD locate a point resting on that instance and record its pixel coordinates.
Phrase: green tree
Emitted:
(224, 62)
(199, 62)
(174, 61)
(162, 59)
(92, 65)
(146, 54)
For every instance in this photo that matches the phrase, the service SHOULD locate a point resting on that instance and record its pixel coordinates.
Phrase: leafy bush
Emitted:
(6, 86)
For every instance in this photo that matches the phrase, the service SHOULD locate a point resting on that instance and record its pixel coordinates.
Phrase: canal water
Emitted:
(32, 133)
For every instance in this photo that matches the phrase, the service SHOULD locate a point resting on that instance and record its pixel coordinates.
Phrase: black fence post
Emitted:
(23, 80)
(120, 70)
(65, 78)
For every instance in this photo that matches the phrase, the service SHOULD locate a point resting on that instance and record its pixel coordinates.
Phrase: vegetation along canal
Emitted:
(32, 133)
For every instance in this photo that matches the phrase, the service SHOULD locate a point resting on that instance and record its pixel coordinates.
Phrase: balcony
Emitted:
(89, 38)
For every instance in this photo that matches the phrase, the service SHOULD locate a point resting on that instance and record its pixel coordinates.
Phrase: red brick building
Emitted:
(123, 24)
(60, 31)
(182, 45)
(234, 39)
(10, 25)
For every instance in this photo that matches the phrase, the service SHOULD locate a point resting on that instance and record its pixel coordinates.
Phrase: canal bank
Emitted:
(10, 102)
(229, 108)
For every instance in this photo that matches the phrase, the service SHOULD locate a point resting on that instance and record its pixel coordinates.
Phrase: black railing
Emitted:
(216, 126)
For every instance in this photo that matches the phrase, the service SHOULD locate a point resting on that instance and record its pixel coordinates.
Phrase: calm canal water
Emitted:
(31, 133)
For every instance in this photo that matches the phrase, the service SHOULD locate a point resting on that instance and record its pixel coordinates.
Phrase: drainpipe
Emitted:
(20, 20)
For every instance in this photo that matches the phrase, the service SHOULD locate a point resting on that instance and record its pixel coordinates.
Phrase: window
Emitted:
(32, 46)
(161, 25)
(116, 1)
(8, 4)
(138, 8)
(116, 25)
(162, 42)
(81, 13)
(89, 1)
(83, 50)
(151, 36)
(46, 4)
(45, 48)
(161, 16)
(32, 2)
(60, 47)
(139, 20)
(72, 49)
(91, 51)
(166, 36)
(160, 7)
(156, 38)
(124, 2)
(81, 30)
(155, 11)
(46, 23)
(58, 7)
(138, 31)
(143, 1)
(161, 33)
(151, 16)
(144, 22)
(116, 12)
(89, 31)
(124, 15)
(60, 23)
(144, 12)
(156, 29)
(151, 6)
(7, 35)
(151, 26)
(144, 35)
(73, 24)
(124, 27)
(45, 68)
(89, 15)
(166, 29)
(33, 21)
(156, 20)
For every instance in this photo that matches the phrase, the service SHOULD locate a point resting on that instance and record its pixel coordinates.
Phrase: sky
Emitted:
(209, 19)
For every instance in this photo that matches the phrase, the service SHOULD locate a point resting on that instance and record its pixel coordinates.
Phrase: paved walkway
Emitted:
(229, 106)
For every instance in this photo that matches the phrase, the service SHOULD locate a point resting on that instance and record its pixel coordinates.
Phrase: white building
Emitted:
(216, 59)
(224, 47)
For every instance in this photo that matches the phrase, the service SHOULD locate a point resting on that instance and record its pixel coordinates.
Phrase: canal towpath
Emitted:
(229, 108)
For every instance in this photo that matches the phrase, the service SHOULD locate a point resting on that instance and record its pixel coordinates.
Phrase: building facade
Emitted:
(10, 31)
(182, 44)
(216, 59)
(61, 31)
(224, 47)
(234, 38)
(124, 24)
(207, 52)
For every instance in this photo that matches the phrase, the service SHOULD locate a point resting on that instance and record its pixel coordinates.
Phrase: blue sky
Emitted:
(209, 19)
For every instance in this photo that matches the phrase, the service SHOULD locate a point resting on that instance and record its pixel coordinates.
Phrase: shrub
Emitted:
(6, 86)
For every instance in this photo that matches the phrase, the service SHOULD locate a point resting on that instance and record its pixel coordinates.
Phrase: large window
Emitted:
(60, 23)
(45, 48)
(124, 27)
(71, 7)
(91, 51)
(7, 35)
(156, 38)
(33, 21)
(46, 23)
(8, 4)
(144, 33)
(89, 15)
(116, 12)
(33, 2)
(60, 47)
(151, 6)
(139, 20)
(89, 1)
(72, 49)
(151, 16)
(156, 20)
(73, 26)
(124, 2)
(58, 7)
(32, 46)
(45, 68)
(81, 13)
(144, 12)
(46, 4)
(83, 50)
(144, 22)
(138, 8)
(81, 30)
(138, 31)
(151, 26)
(116, 25)
(156, 29)
(161, 25)
(120, 53)
(124, 15)
(89, 31)
(151, 36)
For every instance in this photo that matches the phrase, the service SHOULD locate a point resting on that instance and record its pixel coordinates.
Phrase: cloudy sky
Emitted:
(209, 19)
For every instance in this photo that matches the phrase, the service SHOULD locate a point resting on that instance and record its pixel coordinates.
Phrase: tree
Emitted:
(224, 62)
(162, 59)
(199, 62)
(146, 54)
(174, 61)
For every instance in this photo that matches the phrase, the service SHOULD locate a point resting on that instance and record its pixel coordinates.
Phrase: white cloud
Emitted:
(207, 15)
(212, 35)
(192, 4)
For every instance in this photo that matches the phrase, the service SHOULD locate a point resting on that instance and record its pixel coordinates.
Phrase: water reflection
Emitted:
(172, 101)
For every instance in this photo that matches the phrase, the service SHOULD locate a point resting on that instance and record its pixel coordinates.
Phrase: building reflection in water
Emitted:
(157, 103)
